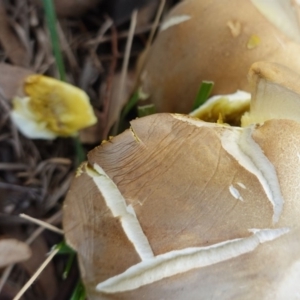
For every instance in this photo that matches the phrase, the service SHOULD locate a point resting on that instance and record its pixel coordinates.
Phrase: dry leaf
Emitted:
(147, 13)
(100, 130)
(12, 79)
(13, 47)
(117, 103)
(47, 281)
(73, 8)
(13, 251)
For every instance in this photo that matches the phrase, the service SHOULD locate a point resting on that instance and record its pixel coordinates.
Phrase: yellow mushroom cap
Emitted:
(51, 108)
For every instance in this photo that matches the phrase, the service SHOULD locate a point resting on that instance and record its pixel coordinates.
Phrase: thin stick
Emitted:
(36, 274)
(156, 22)
(5, 275)
(57, 216)
(151, 37)
(42, 223)
(109, 82)
(126, 62)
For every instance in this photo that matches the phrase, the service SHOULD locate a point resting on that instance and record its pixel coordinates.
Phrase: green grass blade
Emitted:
(51, 22)
(146, 110)
(203, 93)
(80, 152)
(64, 248)
(129, 106)
(68, 267)
(79, 292)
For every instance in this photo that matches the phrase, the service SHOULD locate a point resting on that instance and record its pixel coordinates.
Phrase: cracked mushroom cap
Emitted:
(176, 208)
(217, 41)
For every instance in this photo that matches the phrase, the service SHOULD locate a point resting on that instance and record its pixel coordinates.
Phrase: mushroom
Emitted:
(275, 93)
(51, 108)
(217, 41)
(178, 208)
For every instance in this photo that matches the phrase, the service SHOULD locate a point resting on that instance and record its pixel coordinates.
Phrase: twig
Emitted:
(5, 275)
(42, 223)
(109, 82)
(104, 28)
(156, 22)
(125, 62)
(66, 48)
(12, 166)
(38, 231)
(121, 35)
(151, 37)
(36, 274)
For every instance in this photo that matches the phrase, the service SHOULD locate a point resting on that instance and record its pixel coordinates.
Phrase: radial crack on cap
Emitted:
(119, 209)
(241, 146)
(179, 261)
(137, 139)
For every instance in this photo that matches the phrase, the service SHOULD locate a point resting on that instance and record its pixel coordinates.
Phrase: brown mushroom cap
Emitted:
(189, 185)
(12, 79)
(212, 40)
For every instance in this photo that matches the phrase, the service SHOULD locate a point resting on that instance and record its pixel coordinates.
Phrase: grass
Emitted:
(203, 93)
(51, 23)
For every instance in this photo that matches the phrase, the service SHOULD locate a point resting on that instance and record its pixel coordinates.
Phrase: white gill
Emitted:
(179, 261)
(118, 207)
(241, 146)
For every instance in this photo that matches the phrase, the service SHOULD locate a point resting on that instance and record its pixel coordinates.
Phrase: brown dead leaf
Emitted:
(147, 13)
(13, 47)
(13, 251)
(11, 79)
(47, 279)
(100, 130)
(117, 103)
(72, 8)
(93, 134)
